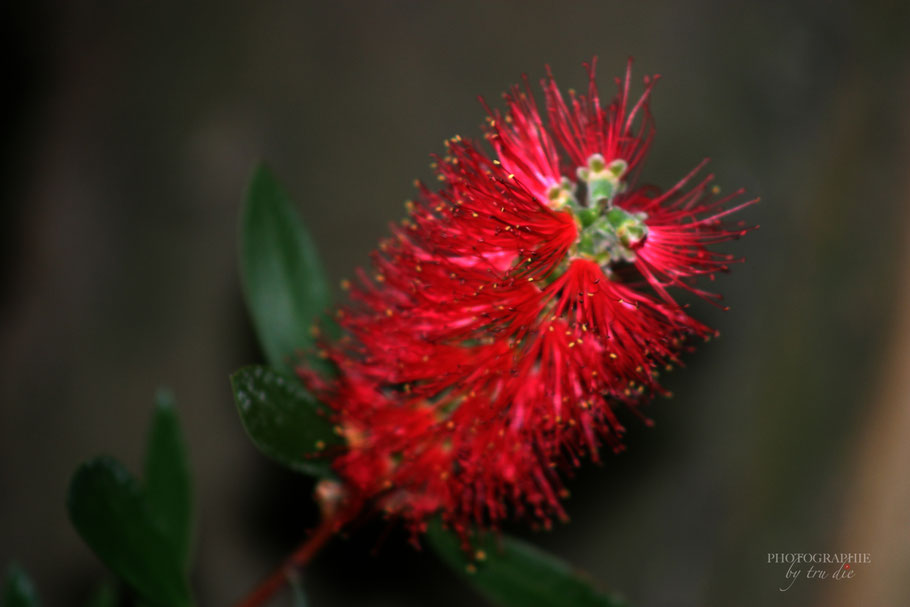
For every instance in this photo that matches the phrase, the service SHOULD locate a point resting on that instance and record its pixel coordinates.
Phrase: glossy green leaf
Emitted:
(107, 507)
(283, 280)
(18, 590)
(283, 420)
(168, 486)
(513, 573)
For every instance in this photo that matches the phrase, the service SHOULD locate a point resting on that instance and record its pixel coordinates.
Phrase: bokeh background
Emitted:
(131, 131)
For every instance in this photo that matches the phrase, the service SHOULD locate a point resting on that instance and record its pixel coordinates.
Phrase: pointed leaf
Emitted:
(107, 507)
(513, 573)
(282, 276)
(18, 590)
(168, 486)
(284, 421)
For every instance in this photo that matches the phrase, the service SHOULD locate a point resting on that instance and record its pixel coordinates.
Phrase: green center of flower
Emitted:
(606, 232)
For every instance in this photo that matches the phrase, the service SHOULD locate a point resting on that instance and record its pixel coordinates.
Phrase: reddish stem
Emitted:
(299, 558)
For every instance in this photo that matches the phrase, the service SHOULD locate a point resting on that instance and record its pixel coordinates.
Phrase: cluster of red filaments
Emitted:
(516, 308)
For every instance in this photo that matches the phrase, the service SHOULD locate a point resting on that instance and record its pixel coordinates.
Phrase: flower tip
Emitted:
(452, 324)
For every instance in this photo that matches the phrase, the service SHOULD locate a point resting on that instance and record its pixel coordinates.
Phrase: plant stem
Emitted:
(330, 525)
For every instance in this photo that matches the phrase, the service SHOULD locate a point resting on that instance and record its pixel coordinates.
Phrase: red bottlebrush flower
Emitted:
(515, 308)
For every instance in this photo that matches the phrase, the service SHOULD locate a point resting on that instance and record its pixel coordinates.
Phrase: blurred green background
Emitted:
(134, 128)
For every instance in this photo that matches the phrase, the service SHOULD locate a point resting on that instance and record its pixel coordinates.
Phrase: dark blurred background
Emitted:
(130, 133)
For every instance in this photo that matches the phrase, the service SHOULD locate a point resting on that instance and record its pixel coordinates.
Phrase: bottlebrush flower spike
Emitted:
(515, 308)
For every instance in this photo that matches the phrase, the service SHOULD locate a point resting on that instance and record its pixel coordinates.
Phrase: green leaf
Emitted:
(513, 573)
(283, 280)
(168, 486)
(18, 590)
(107, 507)
(283, 420)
